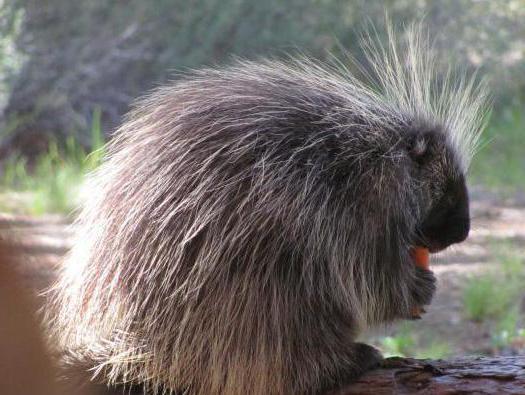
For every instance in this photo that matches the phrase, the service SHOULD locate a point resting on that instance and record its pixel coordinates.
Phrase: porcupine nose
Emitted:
(458, 230)
(449, 221)
(452, 228)
(457, 218)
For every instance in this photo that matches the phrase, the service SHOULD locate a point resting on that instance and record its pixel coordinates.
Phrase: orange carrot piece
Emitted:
(421, 257)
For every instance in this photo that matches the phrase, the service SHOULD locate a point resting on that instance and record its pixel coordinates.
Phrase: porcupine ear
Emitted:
(405, 71)
(421, 145)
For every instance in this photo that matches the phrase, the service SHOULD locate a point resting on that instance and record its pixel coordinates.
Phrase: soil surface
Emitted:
(45, 240)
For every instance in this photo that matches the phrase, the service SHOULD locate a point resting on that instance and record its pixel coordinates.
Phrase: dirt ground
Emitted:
(45, 241)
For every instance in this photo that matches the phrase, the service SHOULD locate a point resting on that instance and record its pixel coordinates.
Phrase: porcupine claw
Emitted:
(416, 312)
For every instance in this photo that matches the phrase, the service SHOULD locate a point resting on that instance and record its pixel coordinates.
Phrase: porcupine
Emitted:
(249, 221)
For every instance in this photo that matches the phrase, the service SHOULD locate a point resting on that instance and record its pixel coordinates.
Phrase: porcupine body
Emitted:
(250, 221)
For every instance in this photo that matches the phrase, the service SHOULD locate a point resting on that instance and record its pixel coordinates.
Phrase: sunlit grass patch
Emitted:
(485, 298)
(493, 294)
(400, 344)
(495, 299)
(407, 342)
(50, 184)
(510, 330)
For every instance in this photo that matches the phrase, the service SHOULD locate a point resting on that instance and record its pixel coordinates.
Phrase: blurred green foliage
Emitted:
(67, 65)
(97, 53)
(500, 161)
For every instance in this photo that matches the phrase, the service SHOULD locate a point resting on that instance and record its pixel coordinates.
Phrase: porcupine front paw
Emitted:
(422, 292)
(366, 357)
(361, 359)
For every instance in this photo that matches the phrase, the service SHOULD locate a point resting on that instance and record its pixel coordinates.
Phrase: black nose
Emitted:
(459, 230)
(448, 221)
(454, 229)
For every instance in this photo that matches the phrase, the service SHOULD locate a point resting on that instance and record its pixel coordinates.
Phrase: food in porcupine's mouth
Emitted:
(421, 257)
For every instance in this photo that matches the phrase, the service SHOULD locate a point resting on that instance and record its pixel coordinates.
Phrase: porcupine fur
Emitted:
(249, 221)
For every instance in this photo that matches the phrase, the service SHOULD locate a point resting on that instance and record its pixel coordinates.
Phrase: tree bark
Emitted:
(467, 375)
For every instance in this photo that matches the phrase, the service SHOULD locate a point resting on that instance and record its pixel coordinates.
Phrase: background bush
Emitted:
(62, 59)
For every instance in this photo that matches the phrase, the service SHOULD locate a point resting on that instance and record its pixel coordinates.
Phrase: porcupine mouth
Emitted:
(433, 245)
(432, 248)
(437, 233)
(428, 239)
(437, 239)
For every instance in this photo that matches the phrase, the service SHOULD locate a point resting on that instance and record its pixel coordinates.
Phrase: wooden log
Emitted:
(466, 375)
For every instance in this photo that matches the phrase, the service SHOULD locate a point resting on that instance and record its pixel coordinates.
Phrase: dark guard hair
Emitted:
(250, 221)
